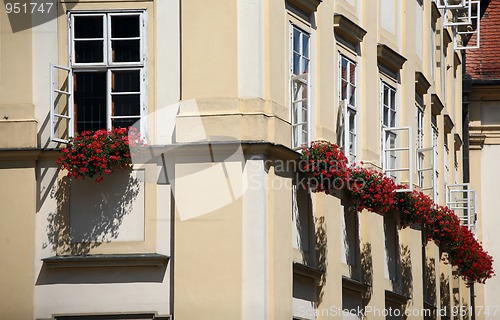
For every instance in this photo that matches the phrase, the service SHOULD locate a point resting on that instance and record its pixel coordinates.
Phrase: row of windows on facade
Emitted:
(107, 66)
(346, 117)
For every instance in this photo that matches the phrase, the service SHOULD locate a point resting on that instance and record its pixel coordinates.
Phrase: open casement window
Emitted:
(465, 18)
(435, 139)
(346, 118)
(61, 99)
(300, 86)
(396, 141)
(107, 71)
(467, 35)
(462, 199)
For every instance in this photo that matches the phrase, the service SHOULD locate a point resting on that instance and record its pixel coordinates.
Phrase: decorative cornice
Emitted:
(347, 29)
(435, 14)
(308, 272)
(389, 58)
(476, 140)
(437, 105)
(446, 36)
(396, 297)
(457, 58)
(448, 123)
(107, 260)
(421, 83)
(306, 6)
(354, 285)
(458, 141)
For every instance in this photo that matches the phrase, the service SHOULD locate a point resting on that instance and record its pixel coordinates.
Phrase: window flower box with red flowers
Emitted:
(377, 193)
(95, 154)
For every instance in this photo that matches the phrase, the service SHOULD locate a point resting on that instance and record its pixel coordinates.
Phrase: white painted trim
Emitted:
(255, 243)
(250, 48)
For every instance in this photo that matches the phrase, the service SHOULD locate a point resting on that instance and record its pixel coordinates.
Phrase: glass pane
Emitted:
(125, 123)
(90, 100)
(125, 26)
(352, 122)
(126, 50)
(343, 67)
(352, 74)
(393, 100)
(386, 96)
(393, 118)
(296, 63)
(295, 113)
(89, 51)
(352, 97)
(305, 45)
(304, 112)
(296, 40)
(126, 81)
(305, 65)
(343, 90)
(126, 105)
(304, 134)
(385, 121)
(88, 27)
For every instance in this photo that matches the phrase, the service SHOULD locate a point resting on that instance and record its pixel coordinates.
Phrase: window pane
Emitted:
(296, 40)
(305, 65)
(296, 63)
(88, 27)
(386, 117)
(89, 51)
(125, 26)
(393, 100)
(90, 101)
(352, 74)
(126, 105)
(305, 45)
(352, 96)
(343, 90)
(126, 81)
(126, 50)
(124, 123)
(386, 96)
(343, 68)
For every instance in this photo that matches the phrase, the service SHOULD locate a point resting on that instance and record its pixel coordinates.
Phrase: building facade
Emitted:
(211, 220)
(481, 106)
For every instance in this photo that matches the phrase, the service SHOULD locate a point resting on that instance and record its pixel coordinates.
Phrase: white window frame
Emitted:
(392, 139)
(462, 200)
(300, 121)
(57, 114)
(473, 19)
(105, 66)
(347, 128)
(420, 144)
(435, 141)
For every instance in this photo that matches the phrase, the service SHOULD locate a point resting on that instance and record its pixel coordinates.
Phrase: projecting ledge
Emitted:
(107, 260)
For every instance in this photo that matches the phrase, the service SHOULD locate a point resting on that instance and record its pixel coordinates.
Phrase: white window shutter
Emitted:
(462, 199)
(402, 148)
(341, 123)
(61, 104)
(429, 171)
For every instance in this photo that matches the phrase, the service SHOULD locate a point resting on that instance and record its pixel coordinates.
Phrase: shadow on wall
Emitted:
(430, 281)
(444, 285)
(99, 218)
(406, 272)
(321, 252)
(367, 269)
